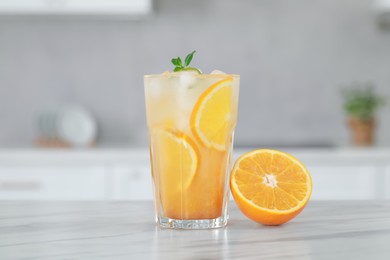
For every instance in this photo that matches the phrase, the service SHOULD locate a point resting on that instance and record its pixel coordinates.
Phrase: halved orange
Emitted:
(175, 162)
(269, 186)
(211, 117)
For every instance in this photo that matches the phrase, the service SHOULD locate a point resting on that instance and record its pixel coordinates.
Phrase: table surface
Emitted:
(126, 230)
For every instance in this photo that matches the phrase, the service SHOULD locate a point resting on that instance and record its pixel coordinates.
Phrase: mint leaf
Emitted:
(179, 64)
(174, 61)
(189, 58)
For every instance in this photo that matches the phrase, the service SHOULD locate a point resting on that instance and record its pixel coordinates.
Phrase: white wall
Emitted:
(292, 57)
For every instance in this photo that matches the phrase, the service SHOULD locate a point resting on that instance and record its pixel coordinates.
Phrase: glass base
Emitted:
(192, 224)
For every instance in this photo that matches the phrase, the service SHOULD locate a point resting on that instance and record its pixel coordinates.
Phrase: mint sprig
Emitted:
(179, 66)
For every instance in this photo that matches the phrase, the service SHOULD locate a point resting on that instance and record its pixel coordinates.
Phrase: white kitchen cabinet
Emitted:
(387, 182)
(343, 182)
(52, 183)
(131, 182)
(124, 174)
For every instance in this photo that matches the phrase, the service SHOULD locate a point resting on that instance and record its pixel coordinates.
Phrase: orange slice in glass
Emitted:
(175, 162)
(211, 117)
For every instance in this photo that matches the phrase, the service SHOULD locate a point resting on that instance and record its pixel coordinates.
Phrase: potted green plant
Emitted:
(360, 104)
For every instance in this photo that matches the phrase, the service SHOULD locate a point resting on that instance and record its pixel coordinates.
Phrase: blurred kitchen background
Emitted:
(293, 57)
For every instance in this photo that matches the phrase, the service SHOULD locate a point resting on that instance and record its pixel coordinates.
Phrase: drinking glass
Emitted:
(191, 120)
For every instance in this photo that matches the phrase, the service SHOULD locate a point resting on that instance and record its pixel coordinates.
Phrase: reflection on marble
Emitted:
(125, 230)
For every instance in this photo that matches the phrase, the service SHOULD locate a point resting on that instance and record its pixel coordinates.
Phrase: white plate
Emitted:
(76, 126)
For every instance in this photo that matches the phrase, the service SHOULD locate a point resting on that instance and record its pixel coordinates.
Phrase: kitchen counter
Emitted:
(126, 230)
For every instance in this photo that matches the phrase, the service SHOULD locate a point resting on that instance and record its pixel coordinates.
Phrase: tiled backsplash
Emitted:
(292, 56)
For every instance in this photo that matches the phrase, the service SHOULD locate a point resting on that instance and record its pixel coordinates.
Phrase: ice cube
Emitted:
(187, 79)
(218, 72)
(166, 73)
(186, 72)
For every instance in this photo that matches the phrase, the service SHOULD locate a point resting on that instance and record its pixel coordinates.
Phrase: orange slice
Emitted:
(175, 162)
(211, 117)
(177, 158)
(270, 187)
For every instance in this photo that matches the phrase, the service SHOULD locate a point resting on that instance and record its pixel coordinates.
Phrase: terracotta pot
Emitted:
(363, 131)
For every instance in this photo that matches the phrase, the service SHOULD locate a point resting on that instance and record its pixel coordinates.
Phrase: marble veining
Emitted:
(126, 230)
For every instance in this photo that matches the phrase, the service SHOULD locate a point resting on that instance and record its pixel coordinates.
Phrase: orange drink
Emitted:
(191, 119)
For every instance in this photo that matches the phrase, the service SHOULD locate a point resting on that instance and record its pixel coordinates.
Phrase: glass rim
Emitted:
(205, 76)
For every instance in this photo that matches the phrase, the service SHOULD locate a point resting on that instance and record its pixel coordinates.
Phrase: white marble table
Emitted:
(125, 230)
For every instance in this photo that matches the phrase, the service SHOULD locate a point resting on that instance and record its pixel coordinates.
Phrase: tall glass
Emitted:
(191, 120)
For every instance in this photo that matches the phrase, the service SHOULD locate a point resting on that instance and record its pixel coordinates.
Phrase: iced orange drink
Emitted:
(191, 119)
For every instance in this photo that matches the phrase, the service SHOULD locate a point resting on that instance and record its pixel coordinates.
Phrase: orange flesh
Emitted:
(269, 186)
(288, 192)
